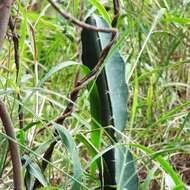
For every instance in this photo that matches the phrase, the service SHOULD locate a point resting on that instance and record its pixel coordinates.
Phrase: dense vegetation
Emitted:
(40, 64)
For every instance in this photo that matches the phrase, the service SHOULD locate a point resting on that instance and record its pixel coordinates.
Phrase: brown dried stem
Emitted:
(80, 23)
(116, 12)
(82, 83)
(14, 149)
(15, 39)
(5, 6)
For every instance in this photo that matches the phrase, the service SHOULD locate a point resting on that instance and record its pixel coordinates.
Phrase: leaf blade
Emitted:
(68, 141)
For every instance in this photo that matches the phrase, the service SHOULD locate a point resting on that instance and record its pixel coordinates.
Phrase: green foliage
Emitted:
(164, 164)
(101, 10)
(154, 43)
(109, 104)
(32, 170)
(69, 143)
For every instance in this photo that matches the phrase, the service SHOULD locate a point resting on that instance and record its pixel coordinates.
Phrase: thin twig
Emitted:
(80, 23)
(14, 149)
(17, 64)
(47, 156)
(5, 6)
(116, 5)
(69, 109)
(82, 83)
(20, 112)
(74, 95)
(16, 46)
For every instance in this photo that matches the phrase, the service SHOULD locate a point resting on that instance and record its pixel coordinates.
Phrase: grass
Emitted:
(155, 45)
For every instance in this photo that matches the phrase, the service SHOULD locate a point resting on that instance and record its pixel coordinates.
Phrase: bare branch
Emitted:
(79, 84)
(116, 5)
(80, 23)
(47, 156)
(5, 6)
(14, 150)
(15, 40)
(16, 46)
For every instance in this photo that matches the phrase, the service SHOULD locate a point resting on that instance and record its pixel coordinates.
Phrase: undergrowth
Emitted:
(156, 50)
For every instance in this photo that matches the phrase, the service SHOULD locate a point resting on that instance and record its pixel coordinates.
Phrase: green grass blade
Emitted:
(55, 69)
(33, 170)
(69, 143)
(163, 163)
(102, 10)
(112, 98)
